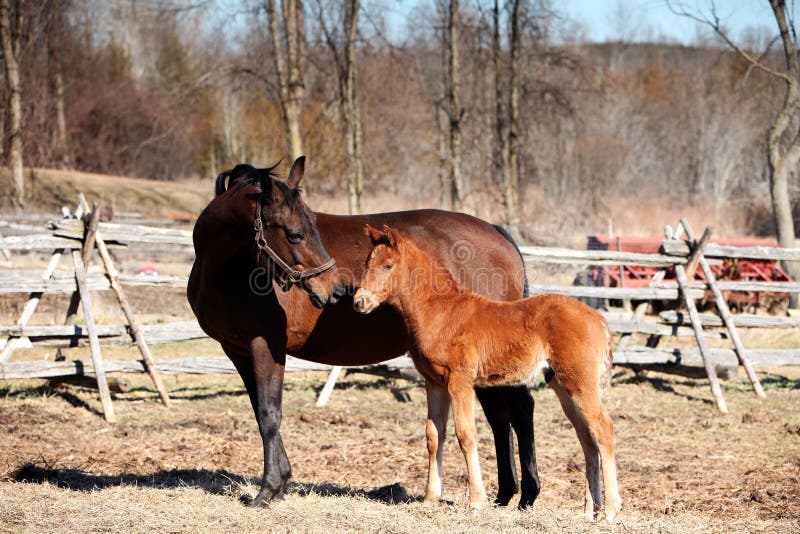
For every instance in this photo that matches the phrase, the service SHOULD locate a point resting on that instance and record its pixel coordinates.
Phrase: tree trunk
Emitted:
(352, 113)
(62, 148)
(10, 57)
(500, 147)
(290, 68)
(511, 181)
(453, 90)
(783, 160)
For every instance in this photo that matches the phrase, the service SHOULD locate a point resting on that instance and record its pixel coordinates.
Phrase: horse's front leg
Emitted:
(460, 388)
(268, 370)
(438, 410)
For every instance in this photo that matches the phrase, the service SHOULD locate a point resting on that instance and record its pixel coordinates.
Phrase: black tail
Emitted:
(219, 185)
(244, 174)
(507, 236)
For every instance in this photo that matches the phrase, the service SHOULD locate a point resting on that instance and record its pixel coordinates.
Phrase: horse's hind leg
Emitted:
(520, 406)
(494, 407)
(593, 497)
(438, 410)
(460, 388)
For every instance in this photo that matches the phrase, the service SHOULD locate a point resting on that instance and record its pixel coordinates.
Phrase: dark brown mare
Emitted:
(463, 339)
(234, 302)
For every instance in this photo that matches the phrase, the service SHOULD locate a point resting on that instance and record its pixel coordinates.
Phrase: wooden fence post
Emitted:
(683, 283)
(136, 332)
(78, 260)
(727, 318)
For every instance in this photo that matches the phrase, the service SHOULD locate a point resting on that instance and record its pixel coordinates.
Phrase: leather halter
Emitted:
(289, 276)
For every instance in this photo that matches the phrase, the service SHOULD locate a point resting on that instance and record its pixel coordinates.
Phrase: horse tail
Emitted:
(503, 232)
(242, 173)
(219, 184)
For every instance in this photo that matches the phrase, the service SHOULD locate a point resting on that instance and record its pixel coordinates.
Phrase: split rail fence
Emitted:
(79, 237)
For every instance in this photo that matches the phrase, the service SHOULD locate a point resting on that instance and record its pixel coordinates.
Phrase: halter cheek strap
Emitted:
(288, 276)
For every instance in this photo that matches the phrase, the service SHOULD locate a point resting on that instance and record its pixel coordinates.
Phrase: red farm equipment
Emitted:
(744, 270)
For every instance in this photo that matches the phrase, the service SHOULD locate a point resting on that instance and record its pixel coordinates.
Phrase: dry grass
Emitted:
(359, 464)
(546, 221)
(49, 189)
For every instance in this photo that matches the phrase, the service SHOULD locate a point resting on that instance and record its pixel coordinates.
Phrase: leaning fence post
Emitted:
(136, 332)
(727, 318)
(683, 283)
(85, 297)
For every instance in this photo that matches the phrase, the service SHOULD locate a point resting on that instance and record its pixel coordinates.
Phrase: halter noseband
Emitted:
(290, 276)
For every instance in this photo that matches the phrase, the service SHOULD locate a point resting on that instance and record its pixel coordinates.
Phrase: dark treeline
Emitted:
(167, 90)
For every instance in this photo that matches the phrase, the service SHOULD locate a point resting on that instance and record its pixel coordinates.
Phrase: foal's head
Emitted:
(383, 275)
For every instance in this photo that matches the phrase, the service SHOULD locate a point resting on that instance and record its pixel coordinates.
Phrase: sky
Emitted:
(644, 19)
(647, 19)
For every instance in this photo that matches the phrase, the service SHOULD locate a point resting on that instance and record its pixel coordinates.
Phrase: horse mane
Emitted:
(246, 175)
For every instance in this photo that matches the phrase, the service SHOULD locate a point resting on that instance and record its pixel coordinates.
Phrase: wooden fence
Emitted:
(685, 256)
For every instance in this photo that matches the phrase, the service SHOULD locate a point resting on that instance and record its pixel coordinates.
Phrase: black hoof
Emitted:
(527, 499)
(256, 502)
(504, 497)
(265, 497)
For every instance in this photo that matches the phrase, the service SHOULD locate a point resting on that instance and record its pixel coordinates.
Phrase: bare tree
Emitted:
(11, 47)
(289, 55)
(507, 119)
(452, 87)
(346, 74)
(54, 38)
(783, 137)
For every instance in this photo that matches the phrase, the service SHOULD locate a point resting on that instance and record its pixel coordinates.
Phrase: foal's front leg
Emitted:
(461, 392)
(438, 410)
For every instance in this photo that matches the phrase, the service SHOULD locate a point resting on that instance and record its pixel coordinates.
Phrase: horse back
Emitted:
(474, 251)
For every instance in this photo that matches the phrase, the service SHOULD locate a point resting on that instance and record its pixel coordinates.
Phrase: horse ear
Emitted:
(296, 174)
(391, 235)
(375, 235)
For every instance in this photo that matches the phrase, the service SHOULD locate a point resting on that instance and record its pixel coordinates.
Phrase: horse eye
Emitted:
(387, 267)
(294, 237)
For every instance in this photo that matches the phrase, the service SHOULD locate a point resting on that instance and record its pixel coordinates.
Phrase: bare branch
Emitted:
(714, 23)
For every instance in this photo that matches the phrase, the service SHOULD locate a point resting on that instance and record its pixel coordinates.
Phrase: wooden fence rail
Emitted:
(678, 254)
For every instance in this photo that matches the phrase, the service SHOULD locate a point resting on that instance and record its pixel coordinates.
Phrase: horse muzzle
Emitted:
(364, 301)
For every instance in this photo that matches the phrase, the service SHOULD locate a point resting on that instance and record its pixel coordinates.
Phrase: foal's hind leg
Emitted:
(596, 433)
(438, 410)
(593, 498)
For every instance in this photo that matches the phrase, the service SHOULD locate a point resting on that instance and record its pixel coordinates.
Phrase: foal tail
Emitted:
(607, 360)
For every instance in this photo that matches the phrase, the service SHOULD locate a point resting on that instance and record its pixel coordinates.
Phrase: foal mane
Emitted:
(244, 175)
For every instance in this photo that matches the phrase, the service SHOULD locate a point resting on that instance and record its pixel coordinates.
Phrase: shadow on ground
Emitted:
(218, 482)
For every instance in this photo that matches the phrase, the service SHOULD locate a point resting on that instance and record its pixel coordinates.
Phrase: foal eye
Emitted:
(387, 267)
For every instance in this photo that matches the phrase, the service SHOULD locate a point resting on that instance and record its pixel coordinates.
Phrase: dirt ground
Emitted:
(359, 464)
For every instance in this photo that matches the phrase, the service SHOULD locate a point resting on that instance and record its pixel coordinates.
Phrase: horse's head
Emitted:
(383, 273)
(285, 236)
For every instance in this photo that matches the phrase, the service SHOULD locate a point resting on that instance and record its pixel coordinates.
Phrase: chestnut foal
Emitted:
(463, 339)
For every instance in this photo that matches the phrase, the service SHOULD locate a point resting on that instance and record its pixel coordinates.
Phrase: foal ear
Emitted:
(391, 235)
(374, 235)
(296, 174)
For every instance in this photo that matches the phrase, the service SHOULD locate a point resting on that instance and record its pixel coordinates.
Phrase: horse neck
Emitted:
(431, 295)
